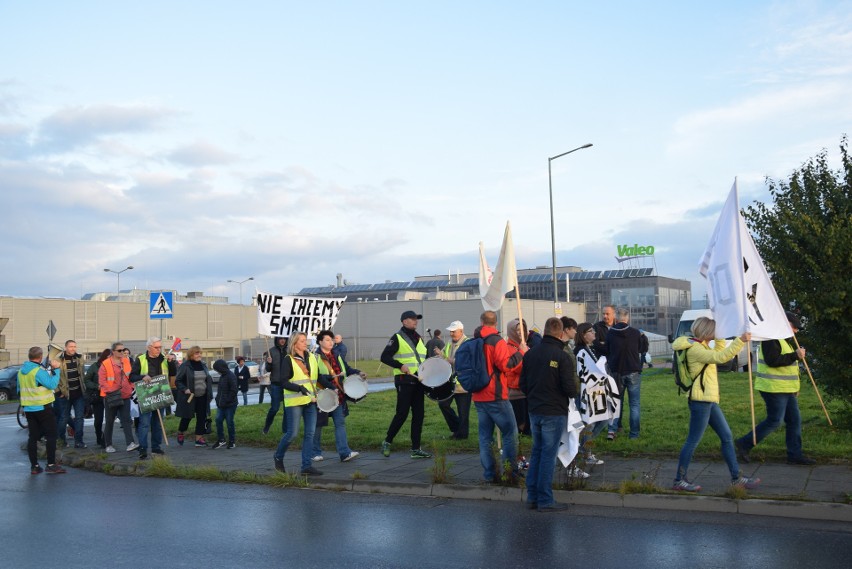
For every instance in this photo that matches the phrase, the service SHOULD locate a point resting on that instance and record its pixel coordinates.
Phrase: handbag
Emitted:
(113, 399)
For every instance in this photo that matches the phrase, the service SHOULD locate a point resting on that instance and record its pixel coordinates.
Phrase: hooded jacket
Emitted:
(700, 354)
(499, 360)
(622, 342)
(226, 394)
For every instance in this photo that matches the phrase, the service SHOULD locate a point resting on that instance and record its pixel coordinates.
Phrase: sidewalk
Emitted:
(814, 492)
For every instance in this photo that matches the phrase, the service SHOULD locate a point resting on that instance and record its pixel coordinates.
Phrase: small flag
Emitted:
(493, 286)
(176, 346)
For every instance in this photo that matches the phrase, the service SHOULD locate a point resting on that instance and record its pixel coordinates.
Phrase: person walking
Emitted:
(113, 377)
(331, 371)
(226, 405)
(150, 364)
(195, 392)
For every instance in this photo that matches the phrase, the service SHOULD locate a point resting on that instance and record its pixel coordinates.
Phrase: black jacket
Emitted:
(548, 378)
(243, 378)
(226, 394)
(391, 349)
(623, 349)
(278, 355)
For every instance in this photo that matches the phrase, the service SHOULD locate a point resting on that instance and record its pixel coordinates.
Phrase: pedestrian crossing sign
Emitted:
(161, 305)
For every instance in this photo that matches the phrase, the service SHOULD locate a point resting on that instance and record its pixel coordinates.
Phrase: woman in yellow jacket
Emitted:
(704, 400)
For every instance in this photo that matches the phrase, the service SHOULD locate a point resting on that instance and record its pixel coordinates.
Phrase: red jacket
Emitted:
(513, 376)
(500, 361)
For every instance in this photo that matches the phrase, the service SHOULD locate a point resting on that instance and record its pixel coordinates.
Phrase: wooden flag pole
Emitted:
(810, 375)
(162, 427)
(751, 396)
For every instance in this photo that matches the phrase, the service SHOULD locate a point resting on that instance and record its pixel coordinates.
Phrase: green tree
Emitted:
(805, 239)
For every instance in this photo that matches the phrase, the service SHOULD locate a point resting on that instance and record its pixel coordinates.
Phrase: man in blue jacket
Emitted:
(36, 386)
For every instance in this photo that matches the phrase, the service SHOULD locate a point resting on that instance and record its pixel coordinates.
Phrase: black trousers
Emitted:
(409, 397)
(458, 423)
(41, 424)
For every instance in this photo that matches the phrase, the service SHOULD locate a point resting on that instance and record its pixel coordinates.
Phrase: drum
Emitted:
(435, 372)
(327, 400)
(442, 392)
(355, 387)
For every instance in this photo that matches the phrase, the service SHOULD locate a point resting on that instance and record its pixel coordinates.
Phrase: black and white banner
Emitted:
(598, 391)
(279, 315)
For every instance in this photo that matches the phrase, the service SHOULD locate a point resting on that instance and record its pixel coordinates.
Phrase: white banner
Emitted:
(739, 290)
(279, 315)
(598, 391)
(493, 286)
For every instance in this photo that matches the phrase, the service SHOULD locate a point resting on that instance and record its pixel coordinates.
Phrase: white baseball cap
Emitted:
(455, 325)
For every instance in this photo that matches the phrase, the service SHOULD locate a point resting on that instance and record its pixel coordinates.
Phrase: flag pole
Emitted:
(810, 375)
(751, 395)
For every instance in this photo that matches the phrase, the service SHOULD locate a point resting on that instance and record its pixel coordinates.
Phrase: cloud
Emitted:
(201, 154)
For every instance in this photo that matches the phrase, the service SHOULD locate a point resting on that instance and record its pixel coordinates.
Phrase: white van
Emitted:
(737, 363)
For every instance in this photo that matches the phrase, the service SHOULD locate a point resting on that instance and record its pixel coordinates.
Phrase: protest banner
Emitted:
(154, 395)
(280, 315)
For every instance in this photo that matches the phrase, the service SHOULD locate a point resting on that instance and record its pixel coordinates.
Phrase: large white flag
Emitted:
(493, 286)
(740, 292)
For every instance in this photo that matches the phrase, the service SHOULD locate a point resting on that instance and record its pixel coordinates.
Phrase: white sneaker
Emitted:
(132, 447)
(592, 460)
(575, 472)
(350, 456)
(110, 448)
(317, 458)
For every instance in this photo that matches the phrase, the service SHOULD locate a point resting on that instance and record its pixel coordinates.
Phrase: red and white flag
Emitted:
(493, 286)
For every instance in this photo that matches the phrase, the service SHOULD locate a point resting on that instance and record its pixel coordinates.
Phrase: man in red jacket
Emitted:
(492, 403)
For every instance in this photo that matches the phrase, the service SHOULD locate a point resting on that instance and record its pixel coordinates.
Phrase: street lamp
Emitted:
(241, 307)
(117, 294)
(552, 232)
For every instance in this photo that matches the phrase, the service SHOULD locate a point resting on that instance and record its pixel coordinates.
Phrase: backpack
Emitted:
(683, 380)
(471, 368)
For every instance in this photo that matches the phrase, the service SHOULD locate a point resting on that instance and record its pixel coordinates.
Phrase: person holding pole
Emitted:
(150, 364)
(778, 383)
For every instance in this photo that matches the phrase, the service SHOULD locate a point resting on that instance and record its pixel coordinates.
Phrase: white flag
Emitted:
(494, 286)
(569, 443)
(740, 292)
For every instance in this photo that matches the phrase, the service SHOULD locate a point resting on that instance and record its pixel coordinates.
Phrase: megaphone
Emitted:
(53, 352)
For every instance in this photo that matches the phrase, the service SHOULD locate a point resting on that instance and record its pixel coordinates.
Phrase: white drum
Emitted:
(327, 400)
(435, 372)
(355, 387)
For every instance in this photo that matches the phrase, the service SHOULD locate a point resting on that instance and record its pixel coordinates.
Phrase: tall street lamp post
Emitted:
(117, 294)
(552, 231)
(241, 307)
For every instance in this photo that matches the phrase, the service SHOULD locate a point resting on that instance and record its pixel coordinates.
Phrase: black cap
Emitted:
(793, 319)
(410, 314)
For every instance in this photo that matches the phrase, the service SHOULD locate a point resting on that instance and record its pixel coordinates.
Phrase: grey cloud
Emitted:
(202, 154)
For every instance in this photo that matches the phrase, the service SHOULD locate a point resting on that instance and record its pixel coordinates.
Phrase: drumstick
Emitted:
(189, 399)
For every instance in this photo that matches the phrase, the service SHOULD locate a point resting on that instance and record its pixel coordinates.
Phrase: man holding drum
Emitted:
(404, 353)
(332, 369)
(458, 424)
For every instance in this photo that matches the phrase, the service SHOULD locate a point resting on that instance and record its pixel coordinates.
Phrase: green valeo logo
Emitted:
(635, 249)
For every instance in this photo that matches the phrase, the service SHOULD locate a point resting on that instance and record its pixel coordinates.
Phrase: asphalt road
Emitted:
(85, 519)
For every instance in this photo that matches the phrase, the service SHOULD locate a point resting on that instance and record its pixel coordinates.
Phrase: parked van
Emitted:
(736, 363)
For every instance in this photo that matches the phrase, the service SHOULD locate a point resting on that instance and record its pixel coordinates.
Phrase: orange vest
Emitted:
(110, 371)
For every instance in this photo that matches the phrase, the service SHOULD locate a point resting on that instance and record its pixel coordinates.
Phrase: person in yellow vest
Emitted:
(36, 386)
(458, 424)
(777, 381)
(299, 379)
(151, 364)
(404, 353)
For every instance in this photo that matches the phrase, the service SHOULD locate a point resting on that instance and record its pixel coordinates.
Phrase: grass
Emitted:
(665, 420)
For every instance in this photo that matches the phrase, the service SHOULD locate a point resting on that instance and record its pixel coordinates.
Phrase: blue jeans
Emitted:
(60, 410)
(632, 383)
(226, 414)
(340, 438)
(147, 422)
(701, 414)
(276, 394)
(779, 406)
(78, 406)
(294, 415)
(497, 413)
(245, 397)
(546, 432)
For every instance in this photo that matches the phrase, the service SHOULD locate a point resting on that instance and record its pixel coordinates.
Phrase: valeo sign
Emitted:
(634, 250)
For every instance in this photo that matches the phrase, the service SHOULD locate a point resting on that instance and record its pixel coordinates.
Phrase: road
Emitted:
(85, 519)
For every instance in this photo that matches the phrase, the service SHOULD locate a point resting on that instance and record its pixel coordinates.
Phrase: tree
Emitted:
(805, 239)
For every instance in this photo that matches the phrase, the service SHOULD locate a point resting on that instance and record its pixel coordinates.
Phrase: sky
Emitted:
(208, 141)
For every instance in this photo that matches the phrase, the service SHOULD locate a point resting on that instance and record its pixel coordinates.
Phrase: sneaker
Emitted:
(110, 448)
(158, 451)
(311, 471)
(37, 469)
(592, 460)
(317, 458)
(746, 482)
(219, 444)
(54, 469)
(419, 453)
(576, 472)
(200, 442)
(180, 438)
(385, 449)
(554, 507)
(350, 456)
(610, 436)
(279, 465)
(80, 445)
(231, 445)
(742, 452)
(264, 431)
(132, 447)
(143, 454)
(801, 460)
(685, 485)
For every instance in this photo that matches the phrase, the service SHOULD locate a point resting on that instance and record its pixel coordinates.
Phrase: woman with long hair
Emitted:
(704, 400)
